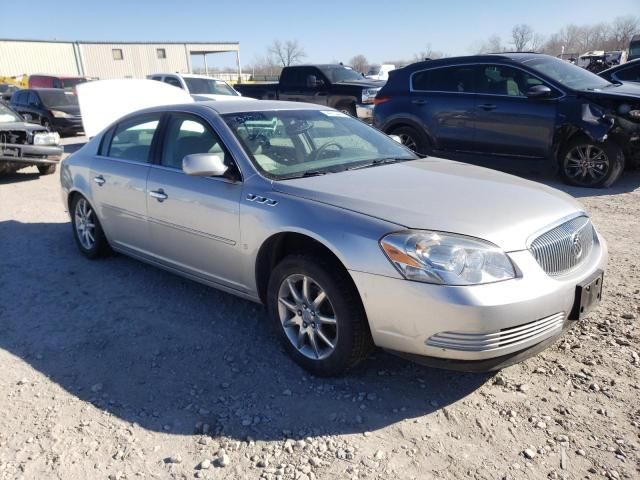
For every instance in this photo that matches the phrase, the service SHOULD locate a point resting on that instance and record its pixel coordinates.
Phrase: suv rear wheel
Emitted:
(412, 138)
(318, 315)
(587, 163)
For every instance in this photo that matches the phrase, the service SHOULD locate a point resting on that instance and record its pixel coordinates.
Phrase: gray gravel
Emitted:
(115, 369)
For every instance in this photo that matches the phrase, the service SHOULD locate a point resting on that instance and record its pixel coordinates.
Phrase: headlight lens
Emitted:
(46, 138)
(446, 259)
(368, 94)
(59, 114)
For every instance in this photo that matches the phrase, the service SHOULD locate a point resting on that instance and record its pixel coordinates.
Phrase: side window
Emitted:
(157, 78)
(187, 134)
(448, 79)
(172, 81)
(505, 80)
(631, 74)
(33, 100)
(132, 138)
(20, 98)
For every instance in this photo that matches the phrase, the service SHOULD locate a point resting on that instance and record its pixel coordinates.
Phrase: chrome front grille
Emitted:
(564, 247)
(529, 333)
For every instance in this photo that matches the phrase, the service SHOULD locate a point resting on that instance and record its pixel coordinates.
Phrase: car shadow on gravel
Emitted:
(171, 355)
(20, 176)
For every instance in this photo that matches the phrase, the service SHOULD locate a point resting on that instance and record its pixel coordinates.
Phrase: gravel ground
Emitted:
(113, 369)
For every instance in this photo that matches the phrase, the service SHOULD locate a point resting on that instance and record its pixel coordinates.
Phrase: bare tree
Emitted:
(264, 66)
(287, 53)
(359, 63)
(428, 52)
(522, 36)
(492, 45)
(537, 42)
(622, 29)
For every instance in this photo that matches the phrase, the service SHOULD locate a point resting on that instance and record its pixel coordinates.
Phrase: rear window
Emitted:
(132, 138)
(458, 79)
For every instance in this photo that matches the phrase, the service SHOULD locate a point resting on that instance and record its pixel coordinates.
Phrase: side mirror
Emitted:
(204, 165)
(538, 91)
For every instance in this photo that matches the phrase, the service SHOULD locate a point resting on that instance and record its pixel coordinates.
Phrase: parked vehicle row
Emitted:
(350, 239)
(520, 106)
(54, 108)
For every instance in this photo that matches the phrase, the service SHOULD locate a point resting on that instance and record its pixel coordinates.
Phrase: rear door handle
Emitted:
(159, 195)
(418, 101)
(99, 180)
(488, 106)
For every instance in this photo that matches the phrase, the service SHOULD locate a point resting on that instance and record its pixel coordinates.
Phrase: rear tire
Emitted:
(46, 169)
(413, 139)
(338, 324)
(587, 163)
(87, 231)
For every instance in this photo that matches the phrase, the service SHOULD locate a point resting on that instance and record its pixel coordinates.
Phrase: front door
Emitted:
(507, 121)
(118, 180)
(194, 221)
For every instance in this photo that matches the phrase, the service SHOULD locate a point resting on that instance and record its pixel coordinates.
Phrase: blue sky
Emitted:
(328, 29)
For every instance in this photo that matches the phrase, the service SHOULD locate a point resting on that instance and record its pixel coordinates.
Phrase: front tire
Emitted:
(47, 169)
(318, 315)
(87, 230)
(587, 163)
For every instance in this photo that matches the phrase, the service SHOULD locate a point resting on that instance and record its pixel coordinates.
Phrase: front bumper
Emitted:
(67, 125)
(30, 154)
(483, 324)
(365, 112)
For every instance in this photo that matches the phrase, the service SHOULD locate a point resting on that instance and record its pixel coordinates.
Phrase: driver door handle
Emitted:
(159, 195)
(99, 180)
(488, 106)
(418, 101)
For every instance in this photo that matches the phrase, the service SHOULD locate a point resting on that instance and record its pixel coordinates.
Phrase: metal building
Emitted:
(106, 59)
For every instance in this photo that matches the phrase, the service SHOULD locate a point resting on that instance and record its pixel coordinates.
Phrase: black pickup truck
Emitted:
(336, 86)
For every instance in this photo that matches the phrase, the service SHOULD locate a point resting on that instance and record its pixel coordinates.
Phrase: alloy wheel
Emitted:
(85, 224)
(307, 316)
(408, 141)
(586, 164)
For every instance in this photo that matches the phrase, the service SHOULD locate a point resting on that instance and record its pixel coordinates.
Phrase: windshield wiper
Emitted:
(308, 173)
(380, 161)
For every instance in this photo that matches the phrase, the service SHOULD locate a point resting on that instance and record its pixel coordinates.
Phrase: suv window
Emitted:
(132, 138)
(505, 80)
(20, 98)
(172, 81)
(187, 134)
(33, 100)
(447, 79)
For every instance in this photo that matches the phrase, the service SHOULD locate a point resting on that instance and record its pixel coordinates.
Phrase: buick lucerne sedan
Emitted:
(350, 239)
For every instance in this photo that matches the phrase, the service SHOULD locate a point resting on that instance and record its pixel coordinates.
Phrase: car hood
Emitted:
(622, 91)
(27, 127)
(437, 194)
(365, 82)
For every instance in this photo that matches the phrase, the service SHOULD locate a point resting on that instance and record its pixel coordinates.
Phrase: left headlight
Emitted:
(48, 138)
(368, 94)
(446, 259)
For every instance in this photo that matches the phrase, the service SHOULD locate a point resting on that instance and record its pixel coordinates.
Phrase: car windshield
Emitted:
(58, 98)
(209, 86)
(8, 116)
(338, 73)
(288, 144)
(567, 74)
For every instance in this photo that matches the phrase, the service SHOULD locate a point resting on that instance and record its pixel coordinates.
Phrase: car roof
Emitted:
(487, 57)
(236, 106)
(615, 68)
(183, 75)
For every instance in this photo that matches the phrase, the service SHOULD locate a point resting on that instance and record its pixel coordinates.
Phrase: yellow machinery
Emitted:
(21, 81)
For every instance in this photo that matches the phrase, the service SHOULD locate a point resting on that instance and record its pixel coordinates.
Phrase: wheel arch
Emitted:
(281, 244)
(395, 123)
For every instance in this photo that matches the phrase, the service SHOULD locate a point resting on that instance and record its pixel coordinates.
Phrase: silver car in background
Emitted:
(349, 239)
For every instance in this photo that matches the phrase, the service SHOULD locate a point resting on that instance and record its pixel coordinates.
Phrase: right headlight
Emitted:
(447, 259)
(60, 114)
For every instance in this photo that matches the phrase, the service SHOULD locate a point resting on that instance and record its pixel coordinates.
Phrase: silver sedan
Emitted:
(349, 239)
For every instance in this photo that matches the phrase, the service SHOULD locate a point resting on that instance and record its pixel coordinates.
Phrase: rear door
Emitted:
(118, 181)
(507, 121)
(194, 221)
(444, 101)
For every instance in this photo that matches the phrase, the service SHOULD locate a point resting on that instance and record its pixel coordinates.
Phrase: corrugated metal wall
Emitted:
(138, 61)
(97, 59)
(18, 57)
